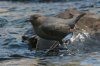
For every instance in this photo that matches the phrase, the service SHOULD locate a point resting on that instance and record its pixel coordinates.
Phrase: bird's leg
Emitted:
(63, 45)
(52, 47)
(65, 41)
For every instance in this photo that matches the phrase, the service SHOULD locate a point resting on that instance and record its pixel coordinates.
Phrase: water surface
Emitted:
(13, 25)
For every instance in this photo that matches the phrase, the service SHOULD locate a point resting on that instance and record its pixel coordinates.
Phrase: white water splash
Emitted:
(80, 36)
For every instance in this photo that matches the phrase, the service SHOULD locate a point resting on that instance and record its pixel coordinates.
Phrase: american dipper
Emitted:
(53, 28)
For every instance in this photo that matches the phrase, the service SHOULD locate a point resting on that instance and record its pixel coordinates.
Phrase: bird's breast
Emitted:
(44, 35)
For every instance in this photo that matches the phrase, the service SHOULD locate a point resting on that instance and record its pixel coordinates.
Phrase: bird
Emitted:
(53, 28)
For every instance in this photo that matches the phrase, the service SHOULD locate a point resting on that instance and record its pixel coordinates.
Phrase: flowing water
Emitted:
(13, 25)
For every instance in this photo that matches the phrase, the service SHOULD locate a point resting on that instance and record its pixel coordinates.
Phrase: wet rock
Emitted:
(65, 15)
(89, 23)
(68, 13)
(97, 35)
(28, 34)
(29, 39)
(43, 44)
(40, 44)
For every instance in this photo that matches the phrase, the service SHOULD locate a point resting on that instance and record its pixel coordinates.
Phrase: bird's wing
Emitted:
(54, 29)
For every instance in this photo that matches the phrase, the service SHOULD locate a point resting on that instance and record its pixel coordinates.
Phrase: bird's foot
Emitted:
(66, 40)
(63, 47)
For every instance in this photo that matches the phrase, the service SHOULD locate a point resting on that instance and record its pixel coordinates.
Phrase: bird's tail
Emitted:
(76, 19)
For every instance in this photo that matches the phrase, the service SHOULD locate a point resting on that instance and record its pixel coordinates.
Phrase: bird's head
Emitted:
(36, 19)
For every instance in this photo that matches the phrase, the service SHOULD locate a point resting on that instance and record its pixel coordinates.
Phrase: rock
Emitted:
(28, 34)
(89, 23)
(43, 44)
(68, 13)
(40, 44)
(29, 39)
(65, 15)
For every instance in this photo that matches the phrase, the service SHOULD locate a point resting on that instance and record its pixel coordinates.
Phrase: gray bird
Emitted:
(53, 28)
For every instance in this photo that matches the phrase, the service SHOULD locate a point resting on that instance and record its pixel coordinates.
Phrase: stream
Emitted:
(13, 24)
